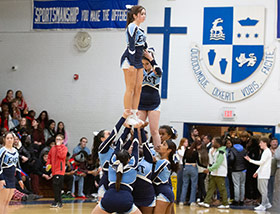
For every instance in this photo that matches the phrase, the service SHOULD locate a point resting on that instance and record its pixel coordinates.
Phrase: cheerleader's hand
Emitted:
(2, 184)
(21, 184)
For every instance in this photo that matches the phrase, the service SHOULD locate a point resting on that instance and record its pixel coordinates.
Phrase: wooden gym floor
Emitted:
(86, 206)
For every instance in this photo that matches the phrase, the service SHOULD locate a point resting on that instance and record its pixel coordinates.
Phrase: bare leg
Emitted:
(142, 115)
(147, 210)
(137, 89)
(170, 209)
(130, 82)
(97, 210)
(161, 207)
(5, 197)
(154, 125)
(136, 212)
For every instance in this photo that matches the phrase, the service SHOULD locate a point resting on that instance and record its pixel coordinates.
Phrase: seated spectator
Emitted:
(40, 171)
(4, 120)
(60, 129)
(43, 119)
(38, 138)
(8, 99)
(22, 125)
(68, 178)
(15, 112)
(24, 154)
(49, 144)
(30, 117)
(22, 104)
(81, 146)
(78, 165)
(49, 131)
(92, 178)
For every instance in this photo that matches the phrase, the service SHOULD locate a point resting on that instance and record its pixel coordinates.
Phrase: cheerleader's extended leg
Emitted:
(154, 125)
(137, 88)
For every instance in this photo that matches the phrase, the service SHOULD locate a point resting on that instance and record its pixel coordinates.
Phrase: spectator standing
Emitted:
(263, 173)
(238, 166)
(273, 147)
(184, 143)
(56, 161)
(218, 173)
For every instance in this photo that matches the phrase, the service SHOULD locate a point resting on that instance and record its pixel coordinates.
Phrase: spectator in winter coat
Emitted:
(238, 166)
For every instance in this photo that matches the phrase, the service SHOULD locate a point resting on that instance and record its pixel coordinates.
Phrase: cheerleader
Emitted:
(105, 151)
(143, 192)
(149, 105)
(131, 61)
(9, 166)
(161, 177)
(122, 174)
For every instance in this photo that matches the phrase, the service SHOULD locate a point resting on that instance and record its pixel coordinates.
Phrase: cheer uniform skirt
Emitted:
(164, 192)
(137, 58)
(143, 194)
(118, 201)
(9, 177)
(149, 99)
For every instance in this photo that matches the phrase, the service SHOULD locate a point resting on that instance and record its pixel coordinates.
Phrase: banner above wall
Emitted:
(80, 14)
(232, 52)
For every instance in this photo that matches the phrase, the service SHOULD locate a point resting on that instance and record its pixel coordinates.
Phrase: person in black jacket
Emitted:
(238, 165)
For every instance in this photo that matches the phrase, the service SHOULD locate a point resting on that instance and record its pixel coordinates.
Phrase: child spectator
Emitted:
(49, 144)
(263, 173)
(218, 173)
(273, 147)
(56, 161)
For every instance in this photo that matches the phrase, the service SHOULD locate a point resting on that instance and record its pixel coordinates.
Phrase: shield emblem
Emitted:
(233, 41)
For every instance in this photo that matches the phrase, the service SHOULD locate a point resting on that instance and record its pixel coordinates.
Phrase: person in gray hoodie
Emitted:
(276, 193)
(238, 165)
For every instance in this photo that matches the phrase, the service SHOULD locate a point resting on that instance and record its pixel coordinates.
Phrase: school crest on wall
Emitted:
(232, 52)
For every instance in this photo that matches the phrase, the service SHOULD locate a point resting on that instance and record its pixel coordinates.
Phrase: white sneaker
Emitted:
(137, 119)
(268, 206)
(202, 204)
(223, 207)
(130, 120)
(260, 208)
(193, 204)
(181, 204)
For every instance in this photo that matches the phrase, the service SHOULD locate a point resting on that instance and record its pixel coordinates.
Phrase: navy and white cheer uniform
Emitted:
(9, 167)
(122, 201)
(150, 98)
(105, 152)
(136, 42)
(161, 180)
(143, 192)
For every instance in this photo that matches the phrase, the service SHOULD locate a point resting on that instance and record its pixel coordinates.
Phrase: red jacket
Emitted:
(56, 158)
